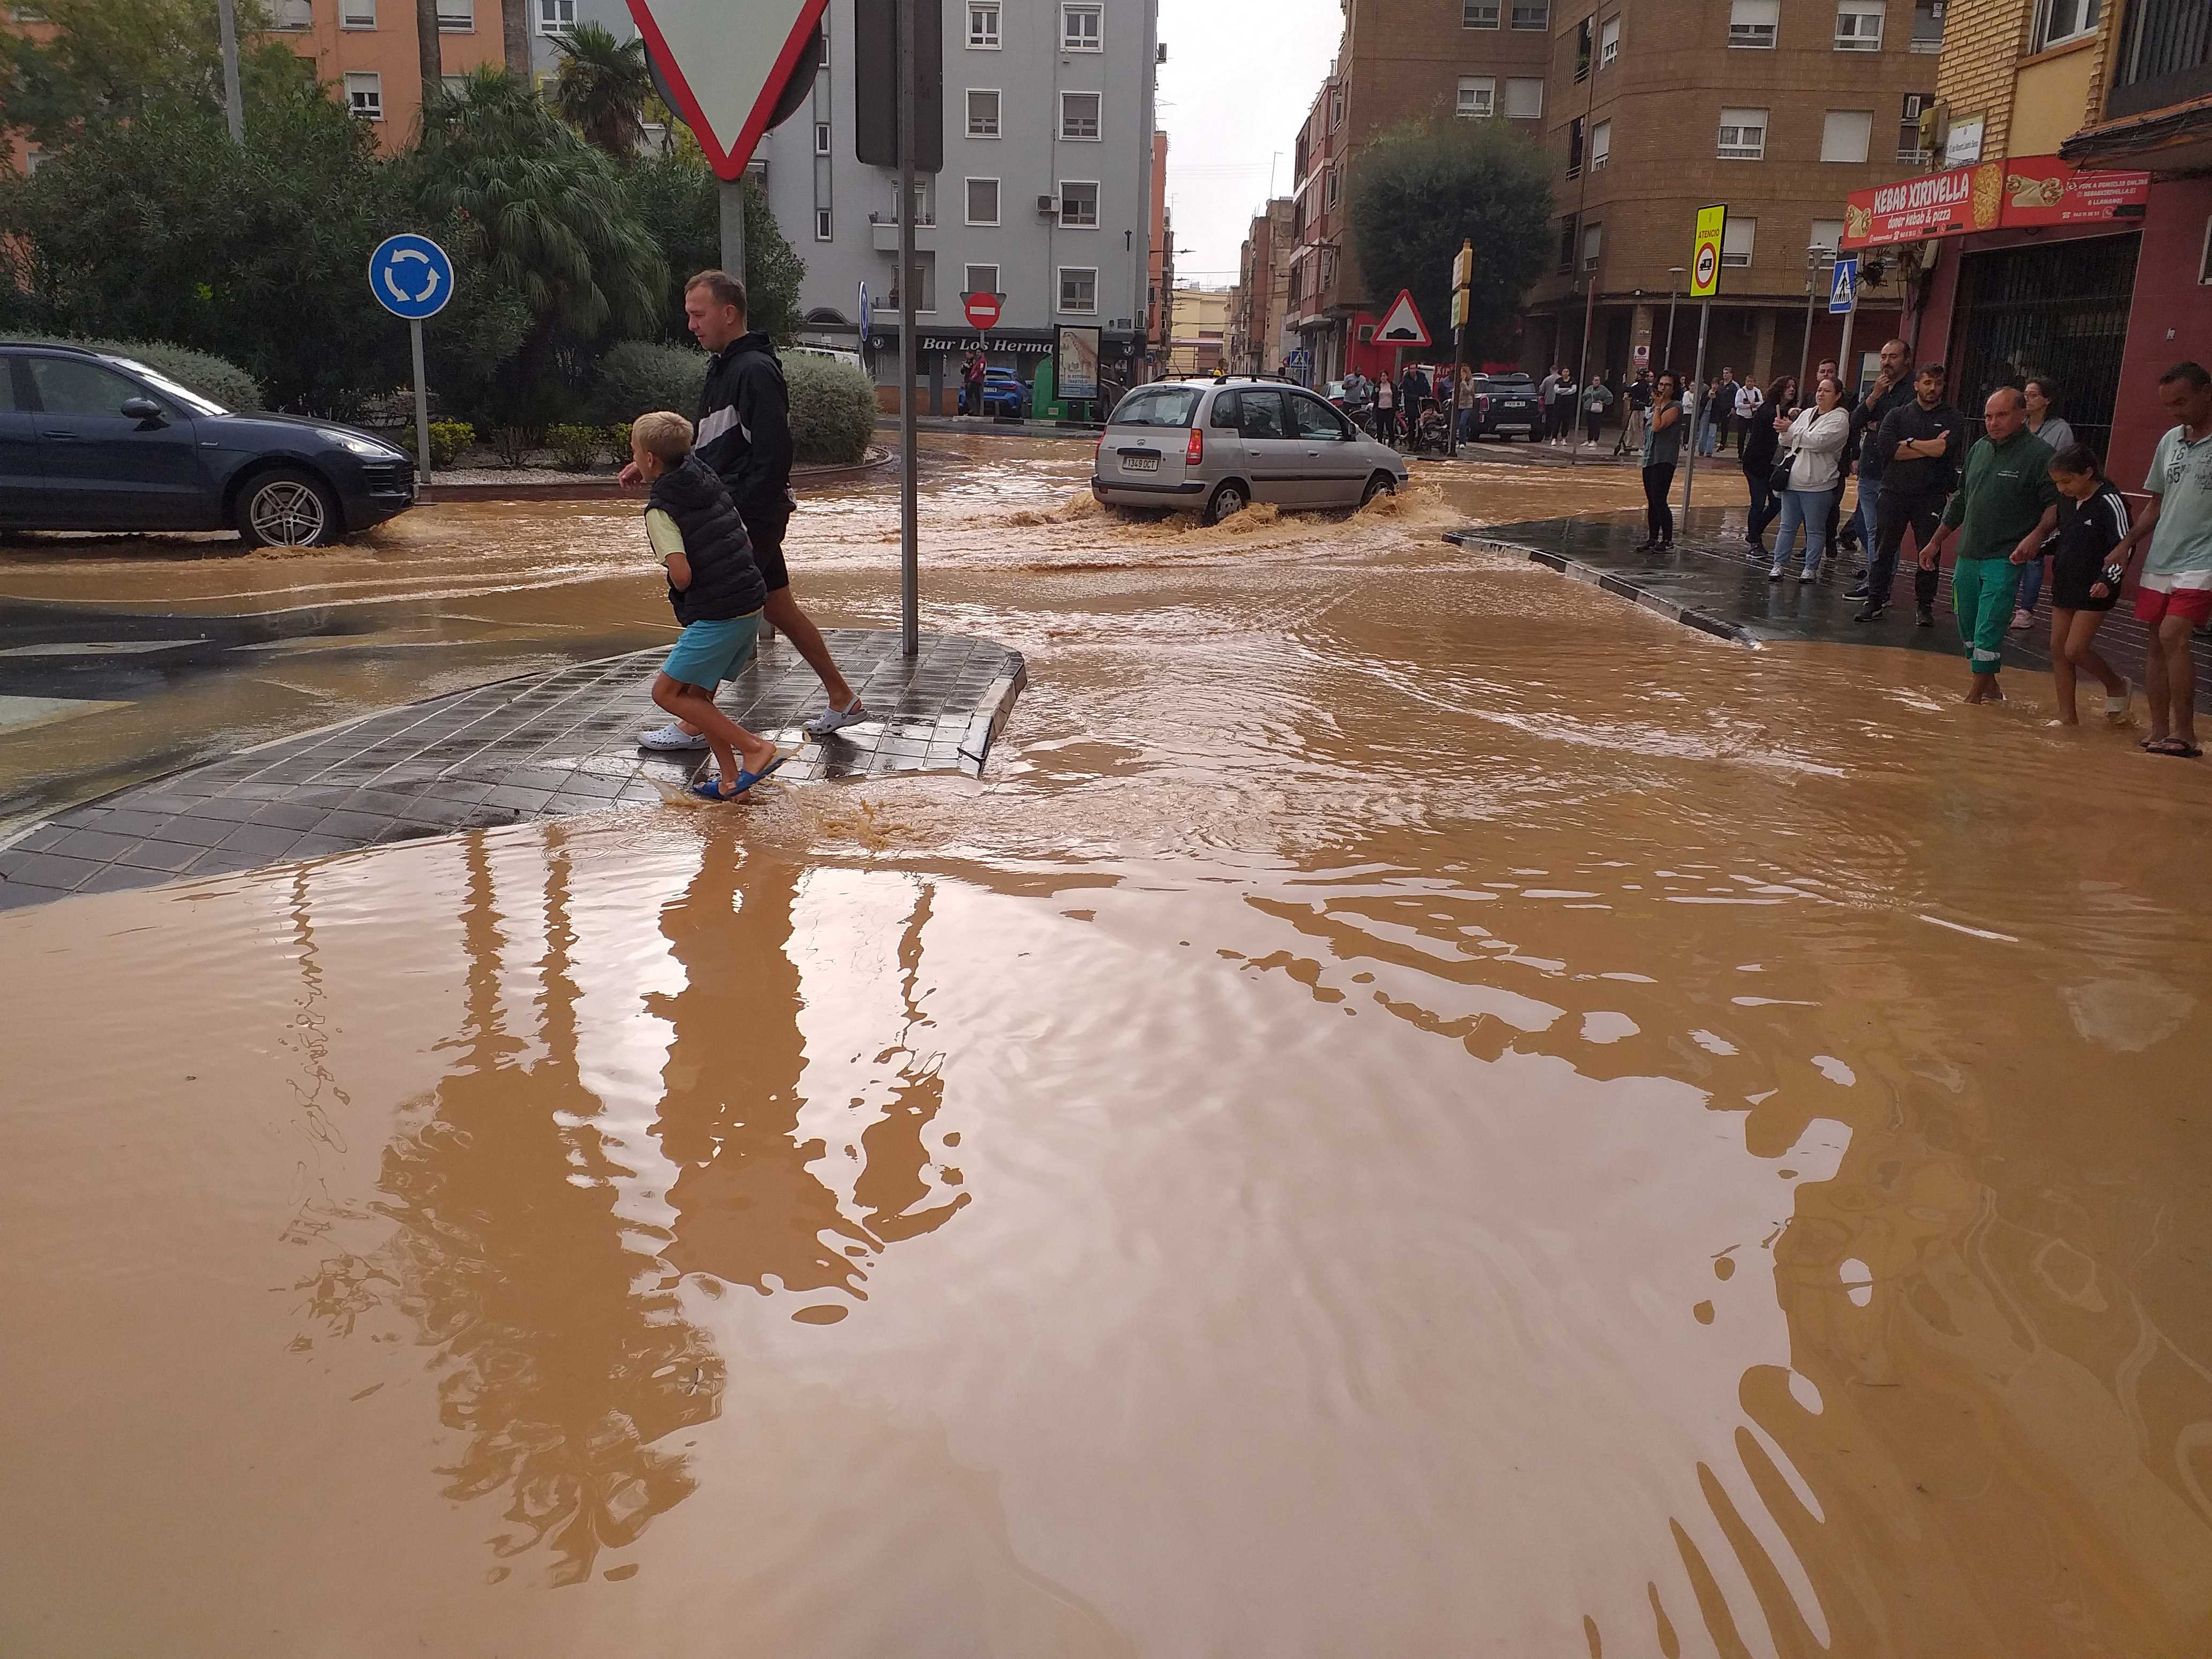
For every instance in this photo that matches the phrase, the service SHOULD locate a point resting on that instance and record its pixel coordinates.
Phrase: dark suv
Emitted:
(89, 441)
(1504, 405)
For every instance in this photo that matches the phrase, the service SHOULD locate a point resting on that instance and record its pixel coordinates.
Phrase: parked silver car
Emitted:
(1214, 446)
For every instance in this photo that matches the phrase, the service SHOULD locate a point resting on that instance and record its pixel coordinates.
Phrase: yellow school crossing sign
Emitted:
(1705, 262)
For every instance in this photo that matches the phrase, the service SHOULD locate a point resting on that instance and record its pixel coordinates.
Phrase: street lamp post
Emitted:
(1815, 256)
(1674, 290)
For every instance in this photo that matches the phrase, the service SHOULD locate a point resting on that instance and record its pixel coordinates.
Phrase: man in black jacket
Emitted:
(744, 436)
(1920, 443)
(1892, 389)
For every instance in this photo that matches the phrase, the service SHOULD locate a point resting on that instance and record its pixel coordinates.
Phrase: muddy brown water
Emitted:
(1418, 1109)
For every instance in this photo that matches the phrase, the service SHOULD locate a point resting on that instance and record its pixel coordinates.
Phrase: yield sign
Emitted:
(726, 63)
(1402, 324)
(982, 310)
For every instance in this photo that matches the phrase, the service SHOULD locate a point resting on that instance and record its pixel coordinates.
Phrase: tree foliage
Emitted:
(1419, 192)
(680, 198)
(601, 88)
(108, 62)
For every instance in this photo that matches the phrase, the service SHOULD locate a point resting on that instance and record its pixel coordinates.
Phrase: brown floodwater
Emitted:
(1419, 1109)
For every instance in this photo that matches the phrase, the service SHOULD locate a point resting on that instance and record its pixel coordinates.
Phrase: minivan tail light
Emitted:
(1193, 453)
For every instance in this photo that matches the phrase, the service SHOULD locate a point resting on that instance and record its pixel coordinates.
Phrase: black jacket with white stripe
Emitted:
(744, 424)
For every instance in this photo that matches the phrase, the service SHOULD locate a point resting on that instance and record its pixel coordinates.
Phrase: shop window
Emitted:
(1846, 134)
(1737, 242)
(1477, 95)
(2058, 22)
(1743, 135)
(1858, 25)
(982, 114)
(1479, 15)
(1754, 23)
(1524, 98)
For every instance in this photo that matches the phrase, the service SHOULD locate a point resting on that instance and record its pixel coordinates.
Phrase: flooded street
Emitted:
(1417, 1107)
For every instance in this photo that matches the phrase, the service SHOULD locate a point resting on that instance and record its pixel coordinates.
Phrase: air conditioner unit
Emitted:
(1047, 205)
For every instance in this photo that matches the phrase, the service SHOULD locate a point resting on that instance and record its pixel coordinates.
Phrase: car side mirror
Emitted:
(142, 409)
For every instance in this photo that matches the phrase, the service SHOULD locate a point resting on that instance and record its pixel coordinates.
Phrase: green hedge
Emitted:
(833, 404)
(202, 372)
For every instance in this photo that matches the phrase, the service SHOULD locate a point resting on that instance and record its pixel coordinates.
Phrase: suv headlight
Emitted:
(367, 448)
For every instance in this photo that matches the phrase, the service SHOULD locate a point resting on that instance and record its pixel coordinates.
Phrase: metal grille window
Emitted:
(2163, 55)
(2058, 22)
(1738, 241)
(1479, 15)
(983, 25)
(1079, 114)
(1478, 95)
(1079, 206)
(1743, 135)
(982, 201)
(2061, 308)
(1082, 28)
(982, 114)
(1858, 25)
(1754, 23)
(1538, 17)
(1078, 289)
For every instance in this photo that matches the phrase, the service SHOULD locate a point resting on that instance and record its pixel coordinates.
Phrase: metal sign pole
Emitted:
(732, 194)
(1844, 351)
(234, 104)
(910, 304)
(1692, 403)
(422, 401)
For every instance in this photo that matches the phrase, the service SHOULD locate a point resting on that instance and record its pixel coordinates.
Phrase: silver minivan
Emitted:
(1214, 446)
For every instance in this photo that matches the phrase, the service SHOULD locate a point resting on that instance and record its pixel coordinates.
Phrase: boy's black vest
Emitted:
(725, 580)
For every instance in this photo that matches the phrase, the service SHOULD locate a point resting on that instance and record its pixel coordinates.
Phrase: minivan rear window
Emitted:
(1158, 405)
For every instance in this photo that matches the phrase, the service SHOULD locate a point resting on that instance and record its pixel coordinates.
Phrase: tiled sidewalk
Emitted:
(541, 746)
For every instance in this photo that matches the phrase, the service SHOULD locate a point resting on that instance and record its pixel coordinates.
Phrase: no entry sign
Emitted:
(982, 310)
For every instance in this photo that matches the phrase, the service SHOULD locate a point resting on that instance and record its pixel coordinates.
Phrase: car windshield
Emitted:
(1158, 405)
(169, 388)
(1509, 383)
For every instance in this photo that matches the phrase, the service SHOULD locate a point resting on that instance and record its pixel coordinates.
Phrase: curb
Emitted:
(1689, 615)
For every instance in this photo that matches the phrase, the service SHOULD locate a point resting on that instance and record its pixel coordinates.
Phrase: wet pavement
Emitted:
(1711, 581)
(1413, 1107)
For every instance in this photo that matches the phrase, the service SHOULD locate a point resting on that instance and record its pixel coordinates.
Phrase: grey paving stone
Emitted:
(224, 861)
(265, 841)
(46, 870)
(352, 828)
(317, 847)
(160, 855)
(43, 839)
(192, 831)
(96, 845)
(22, 895)
(238, 811)
(285, 815)
(116, 877)
(519, 800)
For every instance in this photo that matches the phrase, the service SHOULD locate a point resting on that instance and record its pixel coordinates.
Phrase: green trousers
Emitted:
(1984, 591)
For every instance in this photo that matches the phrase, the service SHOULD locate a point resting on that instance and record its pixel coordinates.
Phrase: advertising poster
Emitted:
(1075, 374)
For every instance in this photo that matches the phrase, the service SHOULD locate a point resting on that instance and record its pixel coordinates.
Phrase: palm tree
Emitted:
(601, 87)
(429, 56)
(514, 35)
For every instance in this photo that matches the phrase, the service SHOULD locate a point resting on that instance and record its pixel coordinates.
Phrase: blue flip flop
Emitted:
(710, 789)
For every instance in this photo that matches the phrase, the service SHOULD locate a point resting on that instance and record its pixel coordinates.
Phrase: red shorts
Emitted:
(2192, 605)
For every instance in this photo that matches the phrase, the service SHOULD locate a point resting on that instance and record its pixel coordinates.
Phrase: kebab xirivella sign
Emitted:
(2023, 191)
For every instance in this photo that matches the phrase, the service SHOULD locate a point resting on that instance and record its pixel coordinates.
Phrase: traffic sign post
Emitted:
(1462, 304)
(1704, 283)
(982, 310)
(1843, 301)
(413, 278)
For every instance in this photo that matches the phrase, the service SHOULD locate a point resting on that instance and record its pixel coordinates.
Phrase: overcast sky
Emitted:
(1239, 78)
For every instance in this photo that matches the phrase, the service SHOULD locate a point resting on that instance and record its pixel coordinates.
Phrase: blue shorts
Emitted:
(709, 653)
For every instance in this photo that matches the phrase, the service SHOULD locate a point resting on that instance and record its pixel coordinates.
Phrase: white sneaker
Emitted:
(836, 719)
(2021, 622)
(671, 738)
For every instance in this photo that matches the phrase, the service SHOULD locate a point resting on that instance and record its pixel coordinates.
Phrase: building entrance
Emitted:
(2058, 308)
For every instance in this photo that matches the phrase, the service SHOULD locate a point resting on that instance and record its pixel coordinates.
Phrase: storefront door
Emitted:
(2057, 308)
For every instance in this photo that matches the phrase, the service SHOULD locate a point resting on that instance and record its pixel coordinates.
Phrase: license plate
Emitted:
(1140, 464)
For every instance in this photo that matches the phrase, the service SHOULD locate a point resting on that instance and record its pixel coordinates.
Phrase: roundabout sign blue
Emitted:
(410, 276)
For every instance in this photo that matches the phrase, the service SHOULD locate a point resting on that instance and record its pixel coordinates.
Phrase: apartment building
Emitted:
(2066, 229)
(1260, 339)
(366, 51)
(1160, 310)
(1778, 109)
(1401, 60)
(1047, 197)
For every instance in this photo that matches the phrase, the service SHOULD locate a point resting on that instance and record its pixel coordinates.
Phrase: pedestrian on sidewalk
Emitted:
(714, 589)
(2174, 594)
(1597, 397)
(1385, 411)
(1893, 389)
(1566, 401)
(1639, 421)
(743, 437)
(1998, 520)
(1724, 402)
(1757, 456)
(2085, 578)
(1920, 443)
(1827, 370)
(2041, 391)
(1709, 417)
(1663, 450)
(978, 374)
(1749, 400)
(1813, 446)
(1547, 393)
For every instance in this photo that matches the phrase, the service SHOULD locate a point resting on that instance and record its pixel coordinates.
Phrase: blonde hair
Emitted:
(664, 435)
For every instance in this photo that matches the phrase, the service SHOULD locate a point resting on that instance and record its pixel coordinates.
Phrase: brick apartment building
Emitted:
(1260, 340)
(1399, 60)
(1777, 108)
(2077, 243)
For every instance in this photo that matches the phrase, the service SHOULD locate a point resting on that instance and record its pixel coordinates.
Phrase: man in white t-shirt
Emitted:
(2174, 594)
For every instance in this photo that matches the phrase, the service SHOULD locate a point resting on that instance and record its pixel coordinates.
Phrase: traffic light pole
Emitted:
(909, 305)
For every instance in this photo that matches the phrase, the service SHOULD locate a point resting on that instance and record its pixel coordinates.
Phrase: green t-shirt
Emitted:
(2007, 491)
(661, 532)
(2181, 541)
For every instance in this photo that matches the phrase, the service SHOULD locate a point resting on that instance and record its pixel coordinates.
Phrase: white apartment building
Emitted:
(1045, 197)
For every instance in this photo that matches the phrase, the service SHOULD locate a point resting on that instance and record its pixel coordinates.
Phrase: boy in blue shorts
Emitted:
(715, 589)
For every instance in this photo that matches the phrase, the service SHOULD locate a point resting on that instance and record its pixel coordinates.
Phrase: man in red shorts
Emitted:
(2175, 592)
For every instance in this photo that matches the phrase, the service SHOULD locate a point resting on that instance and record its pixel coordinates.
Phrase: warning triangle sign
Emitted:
(1402, 324)
(726, 65)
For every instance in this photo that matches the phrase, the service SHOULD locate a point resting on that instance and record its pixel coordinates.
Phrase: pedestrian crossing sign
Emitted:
(1845, 289)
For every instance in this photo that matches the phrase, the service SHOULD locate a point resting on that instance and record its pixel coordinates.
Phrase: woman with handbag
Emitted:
(1662, 448)
(1810, 474)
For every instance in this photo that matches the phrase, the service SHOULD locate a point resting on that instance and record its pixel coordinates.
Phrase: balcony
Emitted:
(884, 231)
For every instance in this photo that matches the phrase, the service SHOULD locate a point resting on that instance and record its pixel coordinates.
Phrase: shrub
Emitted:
(197, 371)
(833, 410)
(575, 448)
(638, 377)
(618, 446)
(512, 444)
(447, 439)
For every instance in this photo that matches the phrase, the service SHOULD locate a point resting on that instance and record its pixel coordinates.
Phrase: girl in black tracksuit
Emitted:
(2085, 578)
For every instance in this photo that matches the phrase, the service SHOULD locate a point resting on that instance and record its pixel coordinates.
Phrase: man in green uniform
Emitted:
(1998, 520)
